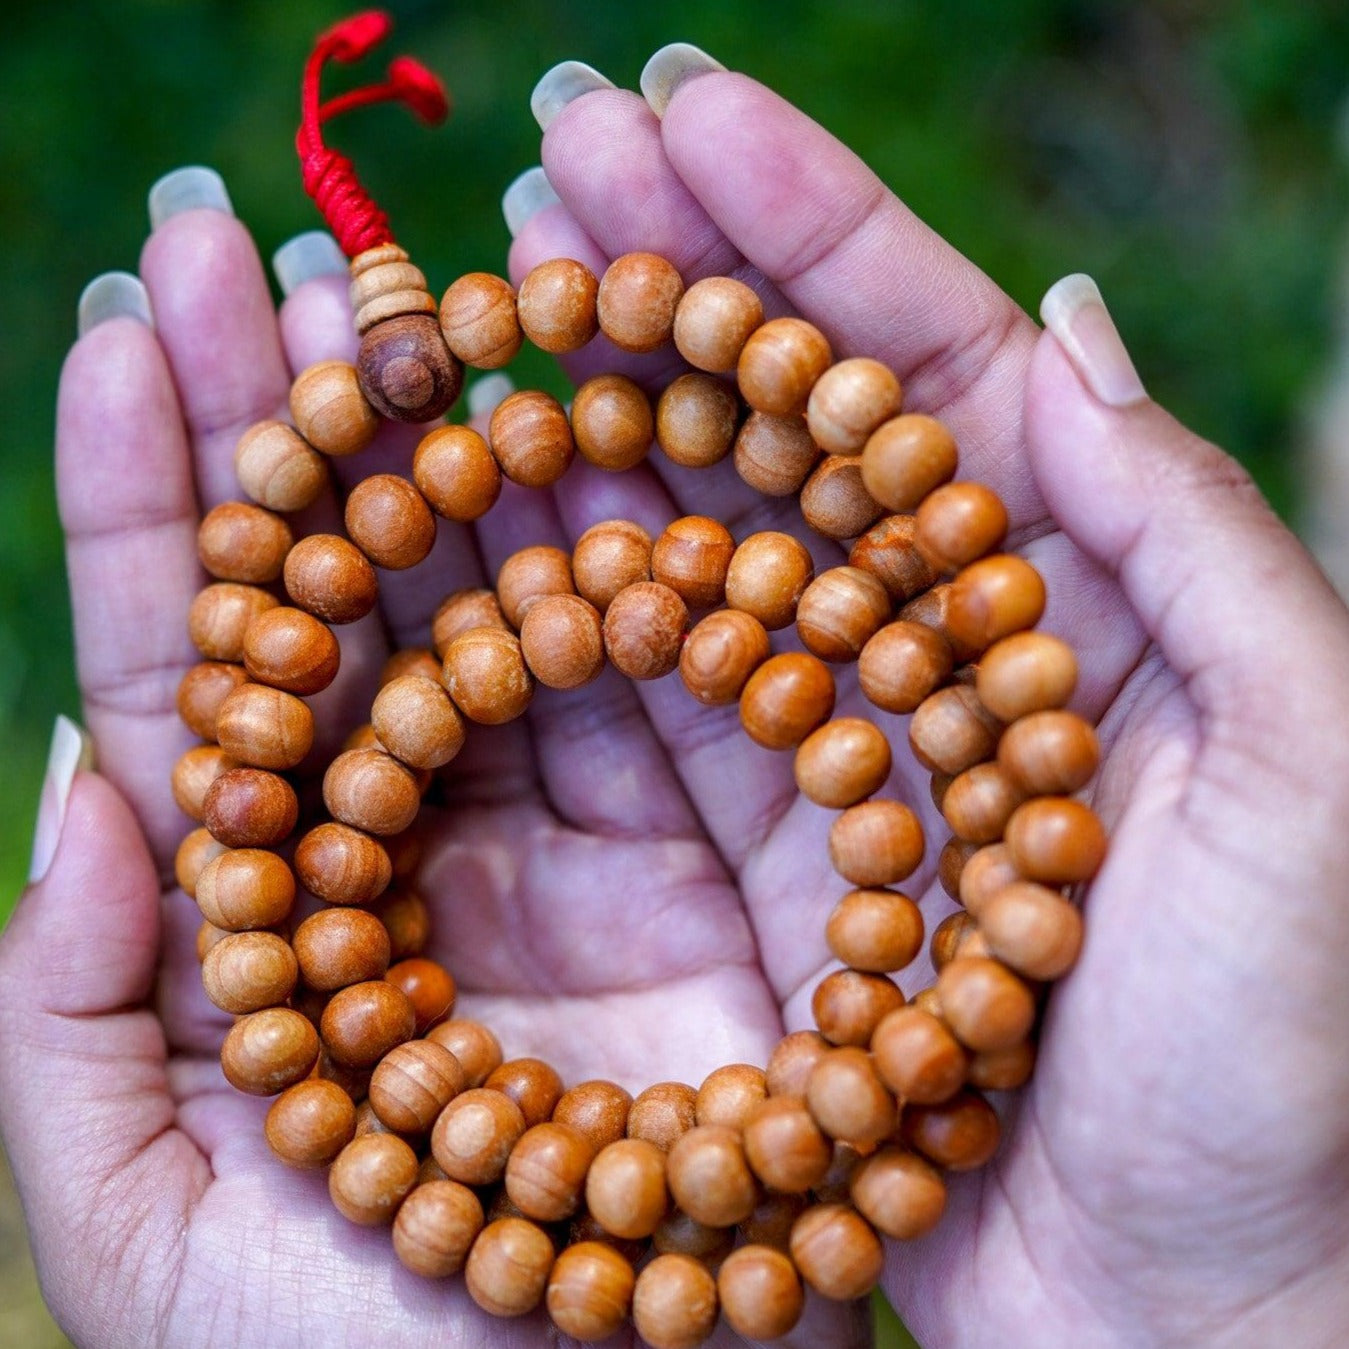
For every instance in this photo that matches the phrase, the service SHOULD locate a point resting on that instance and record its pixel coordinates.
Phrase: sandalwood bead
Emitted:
(720, 653)
(959, 523)
(389, 521)
(556, 305)
(876, 843)
(792, 1061)
(429, 987)
(625, 1188)
(1055, 840)
(476, 1048)
(412, 1084)
(771, 1222)
(330, 411)
(265, 727)
(457, 473)
(917, 1057)
(473, 1136)
(277, 468)
(730, 1095)
(362, 1022)
(219, 616)
(849, 401)
(239, 542)
(193, 773)
(612, 422)
(952, 730)
(531, 438)
(245, 889)
(636, 301)
(197, 849)
(479, 322)
(663, 1113)
(931, 609)
(696, 420)
(848, 1004)
(371, 1177)
(609, 557)
(417, 723)
(709, 1175)
(949, 936)
(960, 1134)
(779, 364)
(597, 1110)
(691, 557)
(889, 553)
(843, 762)
(410, 660)
(590, 1290)
(562, 641)
(508, 1267)
(290, 649)
(1024, 673)
(774, 455)
(486, 675)
(435, 1228)
(370, 790)
(1003, 1069)
(1050, 753)
(341, 865)
(785, 699)
(983, 875)
(201, 691)
(249, 808)
(839, 613)
(428, 1170)
(785, 1147)
(907, 457)
(546, 1171)
(714, 320)
(461, 611)
(339, 947)
(644, 627)
(678, 1234)
(674, 1303)
(406, 920)
(847, 1157)
(899, 1193)
(405, 368)
(265, 1052)
(980, 801)
(531, 1083)
(984, 1003)
(878, 931)
(767, 576)
(1033, 929)
(835, 503)
(247, 971)
(760, 1292)
(836, 1251)
(993, 598)
(331, 578)
(310, 1123)
(353, 1081)
(902, 664)
(848, 1100)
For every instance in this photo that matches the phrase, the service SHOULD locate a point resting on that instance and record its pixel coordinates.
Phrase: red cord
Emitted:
(329, 177)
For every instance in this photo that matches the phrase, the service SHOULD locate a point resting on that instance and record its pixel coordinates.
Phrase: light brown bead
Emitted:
(696, 420)
(848, 1004)
(917, 1057)
(875, 930)
(405, 368)
(247, 971)
(760, 1292)
(265, 727)
(986, 872)
(960, 1134)
(265, 1052)
(249, 808)
(412, 1084)
(556, 305)
(785, 1147)
(902, 665)
(952, 730)
(674, 1304)
(1003, 1069)
(986, 1006)
(608, 557)
(479, 322)
(330, 411)
(980, 801)
(709, 1175)
(407, 921)
(836, 1252)
(612, 422)
(849, 401)
(193, 773)
(292, 650)
(993, 598)
(362, 1022)
(792, 1061)
(779, 364)
(888, 552)
(843, 762)
(545, 1175)
(370, 790)
(508, 1267)
(951, 863)
(245, 889)
(457, 473)
(644, 628)
(531, 438)
(371, 1177)
(625, 1188)
(410, 660)
(774, 455)
(840, 611)
(239, 542)
(330, 577)
(848, 1100)
(531, 1083)
(720, 653)
(429, 987)
(310, 1123)
(207, 936)
(948, 936)
(384, 284)
(1050, 753)
(277, 467)
(730, 1095)
(461, 611)
(436, 1227)
(219, 616)
(417, 723)
(959, 523)
(847, 1157)
(636, 302)
(663, 1113)
(486, 675)
(562, 640)
(678, 1234)
(473, 1136)
(597, 1110)
(194, 852)
(714, 320)
(342, 946)
(201, 691)
(341, 865)
(899, 1193)
(590, 1290)
(906, 458)
(1025, 673)
(931, 609)
(771, 1222)
(353, 1081)
(1055, 840)
(691, 557)
(835, 503)
(1033, 929)
(785, 699)
(476, 1048)
(768, 574)
(389, 521)
(876, 843)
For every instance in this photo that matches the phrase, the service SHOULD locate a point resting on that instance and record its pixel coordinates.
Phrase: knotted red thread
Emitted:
(329, 177)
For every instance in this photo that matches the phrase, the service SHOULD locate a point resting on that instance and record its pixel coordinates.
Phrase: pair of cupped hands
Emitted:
(625, 885)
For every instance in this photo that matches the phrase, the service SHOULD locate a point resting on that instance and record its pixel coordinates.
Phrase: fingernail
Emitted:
(114, 295)
(525, 198)
(669, 68)
(71, 750)
(1075, 313)
(564, 84)
(313, 253)
(188, 189)
(488, 393)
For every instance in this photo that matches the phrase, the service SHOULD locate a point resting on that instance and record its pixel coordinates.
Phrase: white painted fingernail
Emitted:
(114, 295)
(71, 750)
(488, 393)
(188, 189)
(313, 253)
(1075, 313)
(669, 68)
(564, 84)
(525, 198)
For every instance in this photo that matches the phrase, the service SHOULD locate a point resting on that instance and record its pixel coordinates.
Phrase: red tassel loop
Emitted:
(329, 177)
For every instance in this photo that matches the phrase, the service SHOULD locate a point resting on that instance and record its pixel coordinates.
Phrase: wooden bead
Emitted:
(590, 1290)
(245, 889)
(416, 722)
(597, 1110)
(843, 762)
(362, 1022)
(508, 1267)
(384, 284)
(1024, 673)
(473, 1136)
(410, 660)
(791, 1062)
(948, 936)
(889, 553)
(277, 468)
(644, 627)
(899, 1193)
(960, 1134)
(847, 1157)
(249, 808)
(1056, 840)
(760, 1292)
(556, 305)
(848, 1004)
(207, 936)
(406, 370)
(545, 1175)
(691, 557)
(1033, 929)
(984, 1003)
(771, 1222)
(531, 1083)
(1003, 1069)
(330, 411)
(849, 401)
(457, 473)
(238, 542)
(951, 863)
(993, 598)
(612, 422)
(907, 457)
(678, 1234)
(720, 653)
(479, 322)
(371, 1177)
(429, 987)
(636, 302)
(339, 947)
(767, 576)
(836, 1251)
(476, 1048)
(875, 930)
(696, 419)
(709, 1176)
(1049, 753)
(931, 609)
(265, 727)
(835, 503)
(389, 521)
(193, 773)
(486, 675)
(674, 1303)
(290, 649)
(774, 455)
(436, 1227)
(562, 640)
(461, 611)
(779, 364)
(413, 1083)
(268, 1051)
(219, 616)
(952, 730)
(663, 1113)
(986, 872)
(609, 557)
(785, 1147)
(196, 849)
(980, 801)
(840, 611)
(959, 523)
(331, 578)
(902, 664)
(310, 1123)
(531, 438)
(714, 320)
(247, 971)
(371, 791)
(848, 1100)
(730, 1095)
(876, 843)
(785, 699)
(201, 691)
(625, 1188)
(917, 1057)
(353, 1081)
(341, 865)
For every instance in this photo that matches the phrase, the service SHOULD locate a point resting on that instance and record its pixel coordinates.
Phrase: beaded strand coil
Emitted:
(682, 1204)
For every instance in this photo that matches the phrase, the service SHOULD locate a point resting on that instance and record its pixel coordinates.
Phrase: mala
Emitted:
(683, 1204)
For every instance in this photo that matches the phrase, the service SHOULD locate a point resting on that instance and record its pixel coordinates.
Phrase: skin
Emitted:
(1176, 1173)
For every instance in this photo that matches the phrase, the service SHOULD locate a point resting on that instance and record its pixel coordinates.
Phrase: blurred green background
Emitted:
(1187, 153)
